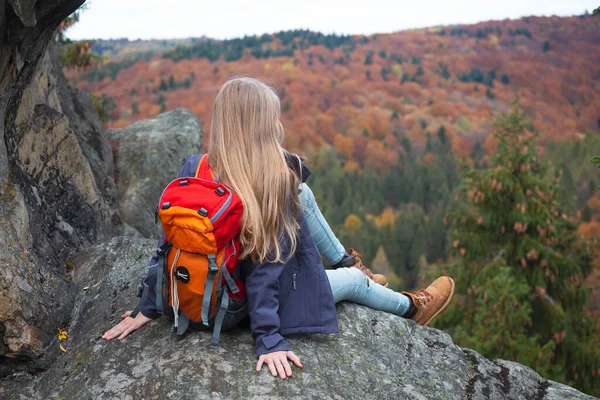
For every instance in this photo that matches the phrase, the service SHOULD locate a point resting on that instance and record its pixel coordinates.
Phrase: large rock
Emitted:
(148, 155)
(375, 355)
(55, 179)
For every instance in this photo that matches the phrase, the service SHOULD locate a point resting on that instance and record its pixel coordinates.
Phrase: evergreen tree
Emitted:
(163, 85)
(522, 264)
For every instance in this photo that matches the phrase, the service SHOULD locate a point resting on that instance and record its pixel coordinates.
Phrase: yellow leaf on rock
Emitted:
(63, 348)
(62, 334)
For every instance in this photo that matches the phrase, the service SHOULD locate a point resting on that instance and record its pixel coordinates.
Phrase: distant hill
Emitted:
(366, 95)
(118, 49)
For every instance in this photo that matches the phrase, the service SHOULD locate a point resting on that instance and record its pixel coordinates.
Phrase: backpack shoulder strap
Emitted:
(204, 171)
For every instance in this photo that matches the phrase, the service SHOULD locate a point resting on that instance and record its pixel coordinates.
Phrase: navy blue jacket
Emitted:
(283, 298)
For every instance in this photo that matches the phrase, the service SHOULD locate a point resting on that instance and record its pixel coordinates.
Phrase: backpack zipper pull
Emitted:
(294, 280)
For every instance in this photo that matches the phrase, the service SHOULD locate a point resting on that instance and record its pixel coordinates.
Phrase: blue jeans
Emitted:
(349, 284)
(328, 244)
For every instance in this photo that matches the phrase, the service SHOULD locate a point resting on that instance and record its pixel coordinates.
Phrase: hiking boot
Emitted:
(377, 278)
(429, 302)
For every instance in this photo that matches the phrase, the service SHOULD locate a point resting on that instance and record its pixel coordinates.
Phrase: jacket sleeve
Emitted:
(262, 287)
(148, 307)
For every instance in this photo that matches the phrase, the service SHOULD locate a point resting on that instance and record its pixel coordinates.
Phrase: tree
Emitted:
(163, 85)
(505, 79)
(521, 264)
(369, 58)
(546, 46)
(74, 54)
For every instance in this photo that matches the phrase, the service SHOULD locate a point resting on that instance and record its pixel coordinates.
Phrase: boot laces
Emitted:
(358, 257)
(422, 297)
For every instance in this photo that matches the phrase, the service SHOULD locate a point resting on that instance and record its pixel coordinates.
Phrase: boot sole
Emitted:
(442, 308)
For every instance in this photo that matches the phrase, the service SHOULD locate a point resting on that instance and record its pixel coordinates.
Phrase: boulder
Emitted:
(374, 356)
(55, 179)
(149, 154)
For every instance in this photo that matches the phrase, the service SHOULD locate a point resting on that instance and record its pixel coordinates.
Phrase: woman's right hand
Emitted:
(125, 327)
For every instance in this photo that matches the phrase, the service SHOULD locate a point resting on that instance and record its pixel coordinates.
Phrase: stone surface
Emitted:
(374, 356)
(148, 155)
(55, 177)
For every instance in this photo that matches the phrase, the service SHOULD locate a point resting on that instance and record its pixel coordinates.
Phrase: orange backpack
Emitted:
(201, 219)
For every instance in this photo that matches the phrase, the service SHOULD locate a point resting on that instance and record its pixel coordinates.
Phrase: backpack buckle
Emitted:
(203, 211)
(220, 191)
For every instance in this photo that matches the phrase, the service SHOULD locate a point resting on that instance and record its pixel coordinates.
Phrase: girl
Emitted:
(288, 289)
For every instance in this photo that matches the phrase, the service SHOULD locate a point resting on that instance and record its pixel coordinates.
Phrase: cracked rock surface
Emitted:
(374, 356)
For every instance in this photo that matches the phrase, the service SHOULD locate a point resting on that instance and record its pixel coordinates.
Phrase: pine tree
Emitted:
(522, 264)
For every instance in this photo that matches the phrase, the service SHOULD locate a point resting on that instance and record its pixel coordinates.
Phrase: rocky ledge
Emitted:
(374, 356)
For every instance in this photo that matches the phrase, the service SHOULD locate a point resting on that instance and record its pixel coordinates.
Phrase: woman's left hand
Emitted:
(278, 363)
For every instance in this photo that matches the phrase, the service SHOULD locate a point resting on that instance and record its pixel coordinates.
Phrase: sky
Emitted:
(224, 19)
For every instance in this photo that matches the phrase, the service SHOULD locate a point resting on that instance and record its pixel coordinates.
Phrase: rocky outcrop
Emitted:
(374, 356)
(56, 190)
(148, 155)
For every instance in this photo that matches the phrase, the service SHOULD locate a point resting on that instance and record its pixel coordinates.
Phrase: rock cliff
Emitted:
(56, 187)
(374, 356)
(149, 154)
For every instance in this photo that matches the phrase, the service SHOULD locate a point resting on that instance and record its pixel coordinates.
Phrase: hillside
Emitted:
(119, 49)
(364, 95)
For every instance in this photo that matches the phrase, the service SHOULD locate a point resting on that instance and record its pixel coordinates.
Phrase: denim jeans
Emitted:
(349, 284)
(328, 244)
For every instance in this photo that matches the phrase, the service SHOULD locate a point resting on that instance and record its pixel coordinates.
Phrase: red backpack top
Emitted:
(201, 219)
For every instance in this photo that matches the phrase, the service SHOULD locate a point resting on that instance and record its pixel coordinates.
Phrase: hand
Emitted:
(125, 327)
(278, 363)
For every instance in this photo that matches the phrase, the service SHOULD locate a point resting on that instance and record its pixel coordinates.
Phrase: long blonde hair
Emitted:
(245, 152)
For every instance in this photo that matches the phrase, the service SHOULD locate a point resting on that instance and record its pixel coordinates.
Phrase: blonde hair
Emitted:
(245, 153)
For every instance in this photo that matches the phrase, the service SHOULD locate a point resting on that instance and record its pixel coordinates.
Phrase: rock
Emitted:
(374, 356)
(148, 156)
(55, 180)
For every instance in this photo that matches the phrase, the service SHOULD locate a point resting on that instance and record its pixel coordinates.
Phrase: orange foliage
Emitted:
(362, 111)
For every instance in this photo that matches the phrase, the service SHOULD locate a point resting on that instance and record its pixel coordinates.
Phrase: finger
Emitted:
(280, 369)
(111, 333)
(286, 367)
(127, 332)
(259, 364)
(295, 359)
(117, 329)
(126, 314)
(271, 367)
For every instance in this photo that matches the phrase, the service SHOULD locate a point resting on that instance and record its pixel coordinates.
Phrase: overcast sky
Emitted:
(221, 19)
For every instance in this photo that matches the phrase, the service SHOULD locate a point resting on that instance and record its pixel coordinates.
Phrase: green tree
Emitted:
(515, 237)
(163, 85)
(546, 46)
(369, 58)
